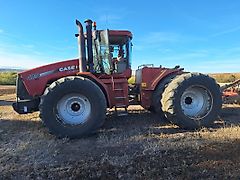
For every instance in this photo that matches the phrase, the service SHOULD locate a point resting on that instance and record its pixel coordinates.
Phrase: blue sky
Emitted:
(199, 35)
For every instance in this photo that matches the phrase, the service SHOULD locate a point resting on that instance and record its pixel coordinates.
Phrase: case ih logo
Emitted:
(68, 68)
(61, 69)
(39, 75)
(33, 76)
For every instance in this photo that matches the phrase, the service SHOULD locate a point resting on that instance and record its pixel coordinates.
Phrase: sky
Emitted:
(200, 35)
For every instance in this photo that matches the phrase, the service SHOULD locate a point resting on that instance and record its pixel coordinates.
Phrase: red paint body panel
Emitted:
(36, 80)
(120, 33)
(151, 76)
(115, 86)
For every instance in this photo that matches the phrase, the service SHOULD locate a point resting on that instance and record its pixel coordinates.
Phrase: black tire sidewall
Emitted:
(158, 95)
(84, 87)
(212, 87)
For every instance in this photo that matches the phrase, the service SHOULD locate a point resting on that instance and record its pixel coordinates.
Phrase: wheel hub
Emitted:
(188, 100)
(196, 102)
(73, 109)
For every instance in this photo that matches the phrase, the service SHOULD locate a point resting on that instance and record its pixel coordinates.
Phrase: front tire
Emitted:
(192, 101)
(73, 107)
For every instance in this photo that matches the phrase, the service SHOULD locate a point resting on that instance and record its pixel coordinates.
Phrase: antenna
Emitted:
(107, 19)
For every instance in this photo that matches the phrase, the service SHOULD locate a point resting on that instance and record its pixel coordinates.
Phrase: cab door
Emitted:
(101, 52)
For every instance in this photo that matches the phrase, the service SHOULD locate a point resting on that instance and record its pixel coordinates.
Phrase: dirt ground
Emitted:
(6, 90)
(137, 146)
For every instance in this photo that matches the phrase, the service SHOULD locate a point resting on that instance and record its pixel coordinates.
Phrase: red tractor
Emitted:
(73, 96)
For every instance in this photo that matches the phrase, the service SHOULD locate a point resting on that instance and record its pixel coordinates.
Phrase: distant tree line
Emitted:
(8, 78)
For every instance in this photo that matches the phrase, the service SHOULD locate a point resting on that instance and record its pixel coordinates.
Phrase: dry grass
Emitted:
(225, 77)
(138, 146)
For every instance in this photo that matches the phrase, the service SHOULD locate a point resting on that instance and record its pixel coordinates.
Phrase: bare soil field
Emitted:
(137, 146)
(7, 90)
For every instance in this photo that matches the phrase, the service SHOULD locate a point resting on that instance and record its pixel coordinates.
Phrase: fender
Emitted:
(35, 80)
(149, 79)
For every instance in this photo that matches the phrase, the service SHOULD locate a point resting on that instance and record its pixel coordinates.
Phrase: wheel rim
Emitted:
(196, 102)
(73, 109)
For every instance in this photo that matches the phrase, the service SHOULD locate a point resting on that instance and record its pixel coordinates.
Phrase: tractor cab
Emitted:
(111, 51)
(108, 51)
(120, 50)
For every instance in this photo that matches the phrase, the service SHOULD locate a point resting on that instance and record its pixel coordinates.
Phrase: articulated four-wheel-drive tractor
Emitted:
(74, 95)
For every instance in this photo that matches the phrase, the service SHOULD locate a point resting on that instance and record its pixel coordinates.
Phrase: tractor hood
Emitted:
(35, 80)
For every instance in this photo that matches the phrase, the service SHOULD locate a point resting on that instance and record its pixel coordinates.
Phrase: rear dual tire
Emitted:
(156, 106)
(191, 101)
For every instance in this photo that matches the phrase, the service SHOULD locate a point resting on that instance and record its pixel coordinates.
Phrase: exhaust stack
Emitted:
(89, 44)
(81, 46)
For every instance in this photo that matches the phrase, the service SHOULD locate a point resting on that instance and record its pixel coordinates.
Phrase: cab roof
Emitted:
(120, 33)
